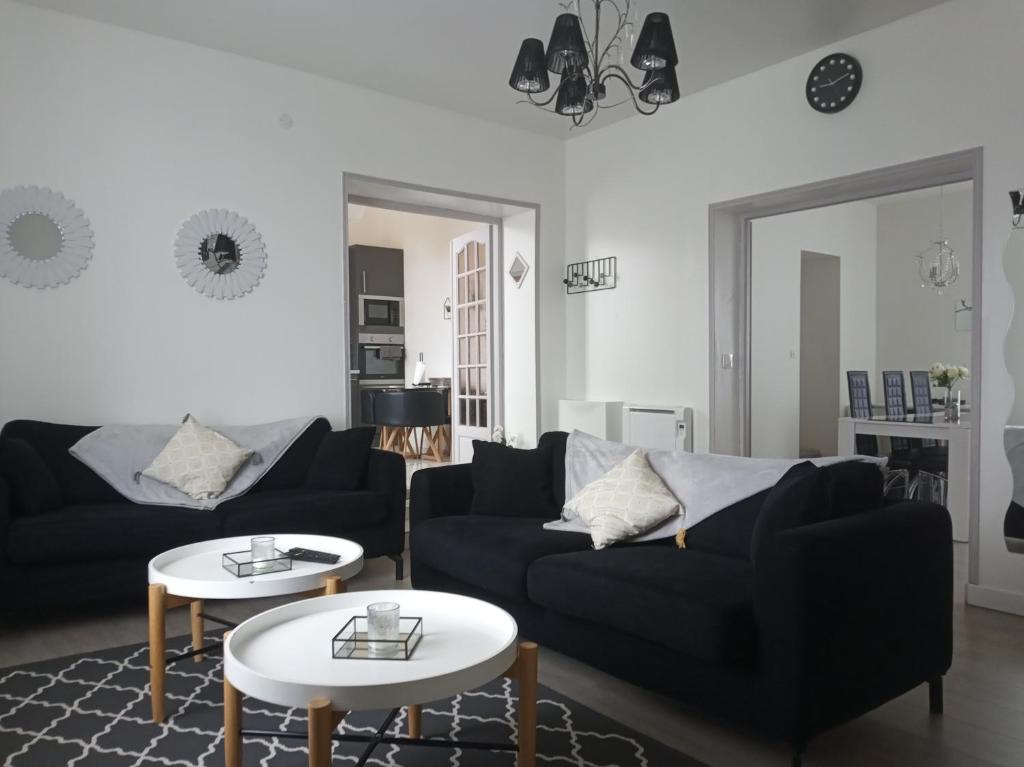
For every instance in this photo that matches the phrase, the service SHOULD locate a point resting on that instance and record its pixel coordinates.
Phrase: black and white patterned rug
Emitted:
(92, 710)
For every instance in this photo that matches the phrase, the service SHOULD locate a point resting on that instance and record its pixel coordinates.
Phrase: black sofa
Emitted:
(786, 627)
(66, 536)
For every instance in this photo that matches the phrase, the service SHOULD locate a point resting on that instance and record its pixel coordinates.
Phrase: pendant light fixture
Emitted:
(587, 62)
(937, 265)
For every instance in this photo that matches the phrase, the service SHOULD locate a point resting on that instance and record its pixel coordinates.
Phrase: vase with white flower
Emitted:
(947, 376)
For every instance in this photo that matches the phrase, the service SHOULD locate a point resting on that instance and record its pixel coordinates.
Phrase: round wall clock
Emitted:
(834, 83)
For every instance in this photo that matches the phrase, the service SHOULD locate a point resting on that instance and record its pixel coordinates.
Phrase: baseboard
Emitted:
(995, 599)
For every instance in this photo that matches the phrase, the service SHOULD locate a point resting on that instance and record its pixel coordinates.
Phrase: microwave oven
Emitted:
(381, 311)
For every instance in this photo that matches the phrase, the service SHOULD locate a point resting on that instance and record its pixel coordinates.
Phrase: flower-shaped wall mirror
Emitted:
(45, 240)
(518, 269)
(220, 254)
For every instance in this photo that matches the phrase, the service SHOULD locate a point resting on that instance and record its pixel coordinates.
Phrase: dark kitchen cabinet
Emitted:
(376, 271)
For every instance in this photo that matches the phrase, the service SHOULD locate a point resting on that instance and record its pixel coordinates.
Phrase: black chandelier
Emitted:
(585, 64)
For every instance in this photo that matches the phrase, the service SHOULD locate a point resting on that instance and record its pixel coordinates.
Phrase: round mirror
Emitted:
(35, 236)
(219, 253)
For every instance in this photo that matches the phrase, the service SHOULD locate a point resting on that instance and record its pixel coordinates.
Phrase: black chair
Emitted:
(933, 459)
(858, 383)
(896, 407)
(399, 413)
(899, 467)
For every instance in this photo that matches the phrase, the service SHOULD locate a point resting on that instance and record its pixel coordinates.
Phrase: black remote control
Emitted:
(310, 555)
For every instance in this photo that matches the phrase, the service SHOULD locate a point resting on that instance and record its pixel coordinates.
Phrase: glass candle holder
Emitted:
(382, 628)
(262, 551)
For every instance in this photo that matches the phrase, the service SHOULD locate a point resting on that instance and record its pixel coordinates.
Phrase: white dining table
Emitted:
(957, 435)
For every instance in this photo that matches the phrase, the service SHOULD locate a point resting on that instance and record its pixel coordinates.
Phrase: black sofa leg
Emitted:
(399, 566)
(935, 695)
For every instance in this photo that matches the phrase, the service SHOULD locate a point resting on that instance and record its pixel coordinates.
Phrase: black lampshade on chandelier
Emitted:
(586, 64)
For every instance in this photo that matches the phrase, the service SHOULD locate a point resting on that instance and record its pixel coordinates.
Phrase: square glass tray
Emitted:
(241, 564)
(353, 640)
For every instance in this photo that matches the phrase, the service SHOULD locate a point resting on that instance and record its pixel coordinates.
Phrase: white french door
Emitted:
(472, 348)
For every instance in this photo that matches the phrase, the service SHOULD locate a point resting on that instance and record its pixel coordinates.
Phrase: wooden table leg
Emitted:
(232, 723)
(415, 721)
(333, 584)
(527, 674)
(323, 721)
(196, 615)
(157, 648)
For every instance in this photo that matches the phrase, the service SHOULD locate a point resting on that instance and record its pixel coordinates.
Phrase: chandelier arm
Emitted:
(529, 97)
(614, 70)
(632, 93)
(583, 27)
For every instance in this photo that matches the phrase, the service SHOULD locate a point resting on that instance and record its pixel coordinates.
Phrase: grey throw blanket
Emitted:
(120, 453)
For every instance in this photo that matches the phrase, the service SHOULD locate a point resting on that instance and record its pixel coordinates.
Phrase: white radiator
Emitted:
(658, 427)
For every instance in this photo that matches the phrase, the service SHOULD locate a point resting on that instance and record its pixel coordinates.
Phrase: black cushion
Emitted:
(490, 553)
(729, 531)
(512, 483)
(697, 603)
(341, 460)
(292, 467)
(802, 497)
(557, 441)
(78, 483)
(95, 532)
(320, 512)
(856, 487)
(34, 489)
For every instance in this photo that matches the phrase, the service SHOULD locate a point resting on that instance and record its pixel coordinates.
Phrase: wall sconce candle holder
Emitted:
(588, 276)
(1017, 201)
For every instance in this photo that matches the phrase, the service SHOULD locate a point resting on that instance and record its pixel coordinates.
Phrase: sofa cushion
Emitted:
(34, 489)
(78, 483)
(508, 482)
(292, 467)
(341, 460)
(802, 497)
(696, 603)
(93, 532)
(729, 531)
(303, 511)
(198, 461)
(491, 553)
(557, 441)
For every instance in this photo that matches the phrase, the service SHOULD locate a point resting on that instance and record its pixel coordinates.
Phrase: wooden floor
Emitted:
(983, 724)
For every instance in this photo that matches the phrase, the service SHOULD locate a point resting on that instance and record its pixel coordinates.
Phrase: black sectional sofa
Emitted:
(66, 536)
(790, 612)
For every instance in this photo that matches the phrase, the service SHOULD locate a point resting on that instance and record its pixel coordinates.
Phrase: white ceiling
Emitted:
(457, 54)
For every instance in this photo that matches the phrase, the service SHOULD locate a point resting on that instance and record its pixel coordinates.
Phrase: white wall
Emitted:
(915, 324)
(520, 331)
(426, 244)
(142, 132)
(845, 231)
(640, 189)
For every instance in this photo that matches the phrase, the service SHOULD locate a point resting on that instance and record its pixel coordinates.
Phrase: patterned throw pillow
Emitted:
(198, 461)
(627, 501)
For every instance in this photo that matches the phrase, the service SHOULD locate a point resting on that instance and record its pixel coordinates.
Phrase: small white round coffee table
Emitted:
(284, 656)
(190, 574)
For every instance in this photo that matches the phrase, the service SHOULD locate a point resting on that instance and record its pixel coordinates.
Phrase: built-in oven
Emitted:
(380, 356)
(381, 311)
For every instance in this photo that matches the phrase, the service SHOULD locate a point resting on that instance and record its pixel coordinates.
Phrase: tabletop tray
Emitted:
(353, 640)
(241, 565)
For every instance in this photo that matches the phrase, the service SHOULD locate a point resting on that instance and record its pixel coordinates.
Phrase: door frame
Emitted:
(730, 228)
(497, 282)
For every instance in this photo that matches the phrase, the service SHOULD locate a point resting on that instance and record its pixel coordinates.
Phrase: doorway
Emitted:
(731, 241)
(492, 350)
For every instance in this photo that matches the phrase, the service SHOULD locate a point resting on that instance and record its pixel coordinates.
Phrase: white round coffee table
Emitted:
(190, 574)
(284, 656)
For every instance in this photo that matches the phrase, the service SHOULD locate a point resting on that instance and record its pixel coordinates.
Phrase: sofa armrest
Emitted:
(445, 491)
(853, 612)
(385, 473)
(6, 516)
